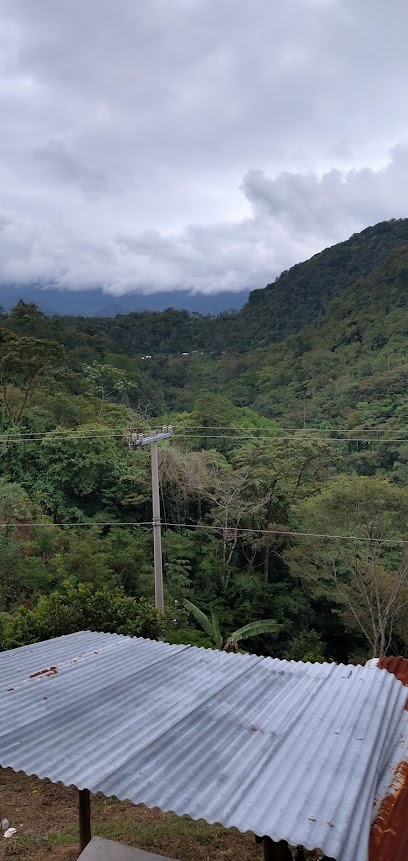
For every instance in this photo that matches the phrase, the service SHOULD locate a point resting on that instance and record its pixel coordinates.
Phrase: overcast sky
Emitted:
(202, 144)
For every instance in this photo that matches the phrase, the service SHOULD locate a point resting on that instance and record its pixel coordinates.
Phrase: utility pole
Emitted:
(152, 439)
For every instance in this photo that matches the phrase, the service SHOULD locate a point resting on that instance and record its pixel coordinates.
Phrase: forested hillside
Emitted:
(284, 486)
(348, 370)
(299, 296)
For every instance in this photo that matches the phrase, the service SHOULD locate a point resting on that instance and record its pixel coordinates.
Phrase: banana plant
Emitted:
(211, 627)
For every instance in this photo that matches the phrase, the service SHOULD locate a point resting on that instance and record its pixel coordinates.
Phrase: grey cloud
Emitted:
(209, 80)
(292, 216)
(68, 168)
(329, 204)
(223, 256)
(127, 129)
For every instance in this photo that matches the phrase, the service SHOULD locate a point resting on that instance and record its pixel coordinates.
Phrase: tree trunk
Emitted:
(267, 556)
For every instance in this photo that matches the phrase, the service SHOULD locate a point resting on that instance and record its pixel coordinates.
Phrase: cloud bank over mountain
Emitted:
(201, 145)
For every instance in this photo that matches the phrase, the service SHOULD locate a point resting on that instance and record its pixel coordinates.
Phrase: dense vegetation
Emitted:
(283, 482)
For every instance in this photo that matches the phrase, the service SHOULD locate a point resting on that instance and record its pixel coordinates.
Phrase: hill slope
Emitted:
(299, 296)
(349, 368)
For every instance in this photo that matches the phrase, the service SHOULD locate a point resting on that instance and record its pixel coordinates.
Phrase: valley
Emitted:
(283, 489)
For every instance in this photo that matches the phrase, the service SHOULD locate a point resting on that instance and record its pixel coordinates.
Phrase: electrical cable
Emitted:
(284, 533)
(71, 435)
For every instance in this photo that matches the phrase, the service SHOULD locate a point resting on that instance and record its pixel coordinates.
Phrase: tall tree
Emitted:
(357, 565)
(107, 382)
(24, 364)
(280, 472)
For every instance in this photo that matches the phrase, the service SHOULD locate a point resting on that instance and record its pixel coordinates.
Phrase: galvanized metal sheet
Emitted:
(286, 749)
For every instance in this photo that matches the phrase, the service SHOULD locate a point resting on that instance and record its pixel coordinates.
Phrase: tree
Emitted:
(364, 574)
(184, 477)
(87, 473)
(306, 646)
(26, 312)
(25, 545)
(24, 364)
(178, 553)
(15, 506)
(229, 644)
(204, 483)
(225, 492)
(280, 472)
(78, 607)
(105, 381)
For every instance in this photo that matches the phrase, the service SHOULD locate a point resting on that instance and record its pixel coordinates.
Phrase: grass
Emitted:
(45, 816)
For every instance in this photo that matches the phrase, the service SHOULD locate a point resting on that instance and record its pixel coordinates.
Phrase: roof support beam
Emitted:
(276, 851)
(84, 805)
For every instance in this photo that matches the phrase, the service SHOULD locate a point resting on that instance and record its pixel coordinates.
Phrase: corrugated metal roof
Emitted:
(286, 749)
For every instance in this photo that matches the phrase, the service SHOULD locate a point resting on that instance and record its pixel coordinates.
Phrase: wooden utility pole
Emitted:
(152, 439)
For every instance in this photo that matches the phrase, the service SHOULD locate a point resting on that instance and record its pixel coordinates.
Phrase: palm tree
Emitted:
(212, 628)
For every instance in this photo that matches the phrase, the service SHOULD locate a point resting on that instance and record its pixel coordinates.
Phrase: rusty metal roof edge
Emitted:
(389, 830)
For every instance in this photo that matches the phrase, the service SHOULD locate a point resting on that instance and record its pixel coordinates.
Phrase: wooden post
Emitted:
(84, 799)
(276, 851)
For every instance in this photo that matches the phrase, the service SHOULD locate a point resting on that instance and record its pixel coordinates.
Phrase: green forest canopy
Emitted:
(306, 435)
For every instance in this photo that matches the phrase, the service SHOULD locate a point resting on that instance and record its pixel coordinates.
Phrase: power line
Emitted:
(57, 432)
(57, 435)
(284, 533)
(291, 533)
(71, 435)
(296, 437)
(282, 427)
(74, 524)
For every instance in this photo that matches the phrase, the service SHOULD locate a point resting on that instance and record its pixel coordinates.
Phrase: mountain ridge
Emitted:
(96, 303)
(300, 294)
(298, 297)
(349, 368)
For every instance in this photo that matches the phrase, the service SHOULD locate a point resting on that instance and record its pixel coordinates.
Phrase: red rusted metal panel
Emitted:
(389, 832)
(397, 666)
